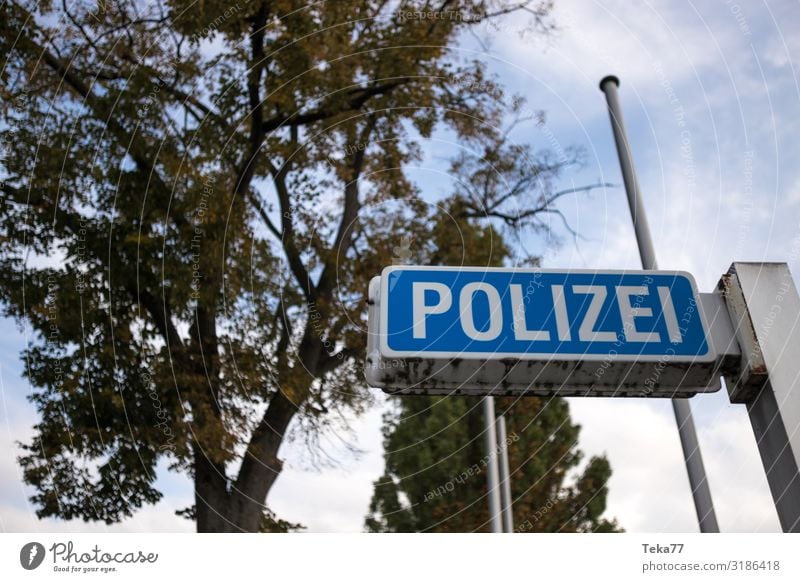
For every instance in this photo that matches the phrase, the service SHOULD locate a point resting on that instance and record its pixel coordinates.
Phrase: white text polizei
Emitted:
(628, 300)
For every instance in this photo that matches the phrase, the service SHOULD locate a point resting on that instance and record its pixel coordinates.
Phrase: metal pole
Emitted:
(646, 251)
(764, 305)
(683, 413)
(492, 479)
(505, 477)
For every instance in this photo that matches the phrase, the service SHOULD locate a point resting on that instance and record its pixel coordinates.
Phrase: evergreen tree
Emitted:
(435, 477)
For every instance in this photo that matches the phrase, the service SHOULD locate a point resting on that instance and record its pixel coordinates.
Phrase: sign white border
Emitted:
(389, 353)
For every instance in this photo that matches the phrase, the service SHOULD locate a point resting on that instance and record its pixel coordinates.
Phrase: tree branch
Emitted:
(512, 219)
(257, 132)
(287, 237)
(159, 312)
(123, 137)
(344, 234)
(358, 99)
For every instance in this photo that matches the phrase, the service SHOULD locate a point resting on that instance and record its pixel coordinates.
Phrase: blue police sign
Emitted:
(570, 320)
(530, 314)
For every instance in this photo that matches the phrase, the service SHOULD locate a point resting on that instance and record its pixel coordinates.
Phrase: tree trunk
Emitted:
(261, 465)
(257, 477)
(210, 495)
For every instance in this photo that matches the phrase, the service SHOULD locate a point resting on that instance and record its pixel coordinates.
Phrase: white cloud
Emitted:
(158, 518)
(333, 500)
(649, 490)
(738, 483)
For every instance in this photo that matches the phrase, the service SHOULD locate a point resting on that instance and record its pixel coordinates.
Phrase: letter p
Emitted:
(421, 309)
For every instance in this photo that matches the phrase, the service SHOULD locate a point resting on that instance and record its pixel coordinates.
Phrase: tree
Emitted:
(435, 476)
(195, 196)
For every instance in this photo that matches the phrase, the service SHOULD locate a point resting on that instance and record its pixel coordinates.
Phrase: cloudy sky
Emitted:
(710, 97)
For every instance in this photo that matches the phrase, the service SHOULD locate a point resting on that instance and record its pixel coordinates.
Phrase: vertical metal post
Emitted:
(505, 477)
(646, 251)
(683, 413)
(764, 305)
(492, 477)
